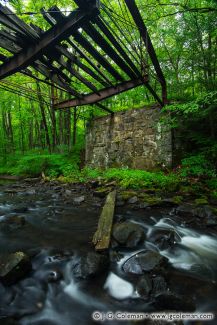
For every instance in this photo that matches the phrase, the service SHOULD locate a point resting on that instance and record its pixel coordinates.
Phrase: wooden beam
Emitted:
(131, 4)
(102, 236)
(108, 49)
(97, 56)
(117, 45)
(49, 39)
(102, 94)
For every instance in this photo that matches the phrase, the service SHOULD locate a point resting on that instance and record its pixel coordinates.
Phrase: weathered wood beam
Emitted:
(49, 39)
(102, 94)
(10, 20)
(117, 45)
(54, 78)
(104, 108)
(131, 4)
(54, 16)
(108, 49)
(102, 236)
(97, 56)
(74, 60)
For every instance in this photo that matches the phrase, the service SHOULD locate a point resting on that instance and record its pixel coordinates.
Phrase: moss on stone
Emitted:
(126, 195)
(201, 201)
(178, 199)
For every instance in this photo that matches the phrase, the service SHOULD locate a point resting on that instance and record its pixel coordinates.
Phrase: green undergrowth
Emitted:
(194, 175)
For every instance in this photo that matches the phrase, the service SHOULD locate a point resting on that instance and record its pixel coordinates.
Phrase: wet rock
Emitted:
(201, 201)
(20, 209)
(54, 276)
(211, 221)
(126, 195)
(68, 192)
(102, 192)
(171, 202)
(12, 222)
(31, 192)
(128, 234)
(144, 286)
(90, 265)
(170, 301)
(164, 238)
(133, 200)
(185, 210)
(78, 200)
(119, 203)
(144, 261)
(14, 267)
(159, 285)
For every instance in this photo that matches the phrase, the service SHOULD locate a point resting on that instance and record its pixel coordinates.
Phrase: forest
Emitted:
(34, 139)
(84, 239)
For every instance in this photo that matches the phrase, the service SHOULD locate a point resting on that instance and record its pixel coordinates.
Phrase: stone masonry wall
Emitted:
(132, 138)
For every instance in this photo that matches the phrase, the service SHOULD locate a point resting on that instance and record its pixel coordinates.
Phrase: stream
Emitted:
(43, 221)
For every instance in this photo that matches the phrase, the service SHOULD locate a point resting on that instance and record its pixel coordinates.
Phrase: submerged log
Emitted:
(101, 238)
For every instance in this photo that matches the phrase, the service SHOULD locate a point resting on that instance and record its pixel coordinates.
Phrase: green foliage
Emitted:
(197, 166)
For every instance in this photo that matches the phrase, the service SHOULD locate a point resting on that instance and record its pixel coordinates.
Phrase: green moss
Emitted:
(152, 200)
(201, 201)
(126, 195)
(177, 199)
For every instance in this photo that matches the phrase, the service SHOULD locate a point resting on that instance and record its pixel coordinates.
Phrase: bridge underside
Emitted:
(87, 54)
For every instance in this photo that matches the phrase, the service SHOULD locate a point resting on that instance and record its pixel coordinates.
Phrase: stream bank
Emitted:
(162, 256)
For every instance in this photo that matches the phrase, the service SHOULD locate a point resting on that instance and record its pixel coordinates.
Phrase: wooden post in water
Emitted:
(102, 236)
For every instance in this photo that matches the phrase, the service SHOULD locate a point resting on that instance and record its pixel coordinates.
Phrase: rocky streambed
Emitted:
(163, 254)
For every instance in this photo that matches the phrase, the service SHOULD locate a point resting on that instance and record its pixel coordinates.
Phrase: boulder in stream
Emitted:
(144, 286)
(144, 261)
(170, 301)
(128, 234)
(14, 267)
(90, 265)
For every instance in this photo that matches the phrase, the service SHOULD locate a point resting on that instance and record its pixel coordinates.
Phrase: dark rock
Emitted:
(20, 209)
(128, 234)
(164, 238)
(211, 221)
(31, 192)
(133, 200)
(90, 265)
(119, 203)
(186, 210)
(78, 200)
(14, 267)
(144, 286)
(12, 222)
(144, 261)
(68, 192)
(169, 203)
(170, 301)
(159, 285)
(102, 192)
(54, 276)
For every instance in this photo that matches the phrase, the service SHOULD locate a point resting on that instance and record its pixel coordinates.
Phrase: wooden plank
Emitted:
(108, 49)
(131, 4)
(10, 20)
(102, 236)
(80, 39)
(49, 39)
(102, 94)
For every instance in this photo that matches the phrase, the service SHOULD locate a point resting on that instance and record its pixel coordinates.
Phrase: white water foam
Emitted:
(118, 288)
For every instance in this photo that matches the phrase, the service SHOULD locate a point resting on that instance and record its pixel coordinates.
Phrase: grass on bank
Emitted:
(194, 174)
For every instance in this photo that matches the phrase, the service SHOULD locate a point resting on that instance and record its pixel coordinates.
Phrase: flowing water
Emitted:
(56, 233)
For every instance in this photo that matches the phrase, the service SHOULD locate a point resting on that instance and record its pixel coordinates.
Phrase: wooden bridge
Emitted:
(87, 47)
